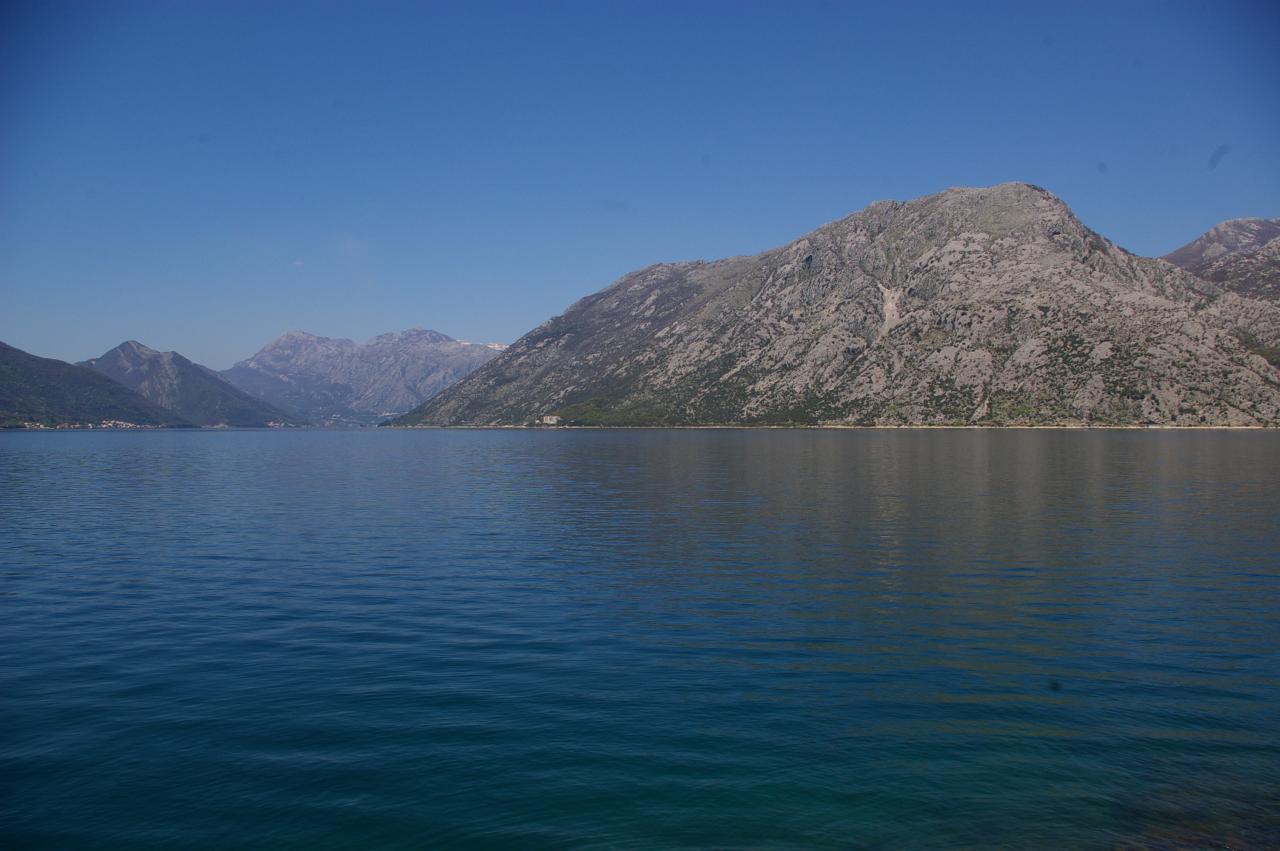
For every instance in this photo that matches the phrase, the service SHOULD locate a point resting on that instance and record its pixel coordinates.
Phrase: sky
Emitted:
(205, 175)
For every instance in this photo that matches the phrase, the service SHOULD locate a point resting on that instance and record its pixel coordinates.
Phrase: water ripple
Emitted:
(640, 639)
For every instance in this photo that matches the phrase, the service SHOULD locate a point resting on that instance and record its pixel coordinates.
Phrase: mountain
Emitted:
(193, 392)
(43, 392)
(1243, 255)
(340, 382)
(972, 306)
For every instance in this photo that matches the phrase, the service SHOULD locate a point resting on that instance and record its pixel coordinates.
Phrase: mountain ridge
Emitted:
(992, 306)
(188, 389)
(1242, 255)
(337, 381)
(38, 392)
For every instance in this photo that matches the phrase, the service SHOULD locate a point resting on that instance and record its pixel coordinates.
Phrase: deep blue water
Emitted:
(861, 639)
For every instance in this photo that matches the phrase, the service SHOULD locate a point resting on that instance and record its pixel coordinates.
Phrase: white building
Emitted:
(550, 419)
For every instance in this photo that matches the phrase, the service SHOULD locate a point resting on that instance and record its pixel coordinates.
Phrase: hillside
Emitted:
(973, 306)
(49, 393)
(340, 382)
(193, 392)
(1243, 255)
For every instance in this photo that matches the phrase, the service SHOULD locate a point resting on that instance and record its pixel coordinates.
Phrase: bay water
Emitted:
(642, 638)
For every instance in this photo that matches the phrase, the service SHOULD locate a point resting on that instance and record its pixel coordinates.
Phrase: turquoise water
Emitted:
(866, 639)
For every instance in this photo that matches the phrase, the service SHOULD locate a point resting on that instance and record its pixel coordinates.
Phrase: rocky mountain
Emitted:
(193, 392)
(42, 392)
(973, 306)
(1243, 255)
(340, 382)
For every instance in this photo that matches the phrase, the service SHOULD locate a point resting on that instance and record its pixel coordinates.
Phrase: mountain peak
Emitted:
(338, 381)
(1008, 189)
(304, 337)
(193, 392)
(988, 305)
(134, 347)
(1231, 236)
(1242, 255)
(410, 334)
(47, 393)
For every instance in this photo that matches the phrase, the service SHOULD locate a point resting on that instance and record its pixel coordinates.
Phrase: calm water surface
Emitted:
(640, 639)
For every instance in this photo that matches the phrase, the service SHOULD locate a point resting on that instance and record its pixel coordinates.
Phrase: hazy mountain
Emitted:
(1242, 254)
(47, 392)
(193, 392)
(984, 306)
(337, 381)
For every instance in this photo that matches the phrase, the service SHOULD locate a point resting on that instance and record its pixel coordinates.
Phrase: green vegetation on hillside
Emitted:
(51, 393)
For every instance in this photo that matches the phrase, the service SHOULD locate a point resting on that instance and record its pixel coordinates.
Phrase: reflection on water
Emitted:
(651, 638)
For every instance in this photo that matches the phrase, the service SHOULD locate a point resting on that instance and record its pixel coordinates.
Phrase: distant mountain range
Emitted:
(45, 393)
(1242, 254)
(340, 382)
(191, 391)
(299, 379)
(991, 306)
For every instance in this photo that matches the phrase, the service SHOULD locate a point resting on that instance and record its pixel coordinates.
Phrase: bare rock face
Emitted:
(1243, 255)
(341, 382)
(983, 306)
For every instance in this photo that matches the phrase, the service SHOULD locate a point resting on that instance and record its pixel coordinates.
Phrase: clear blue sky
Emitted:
(203, 176)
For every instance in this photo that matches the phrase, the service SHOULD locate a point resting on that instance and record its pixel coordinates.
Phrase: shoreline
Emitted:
(838, 427)
(717, 427)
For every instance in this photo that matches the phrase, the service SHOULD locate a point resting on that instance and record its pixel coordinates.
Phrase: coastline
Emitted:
(841, 427)
(705, 427)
